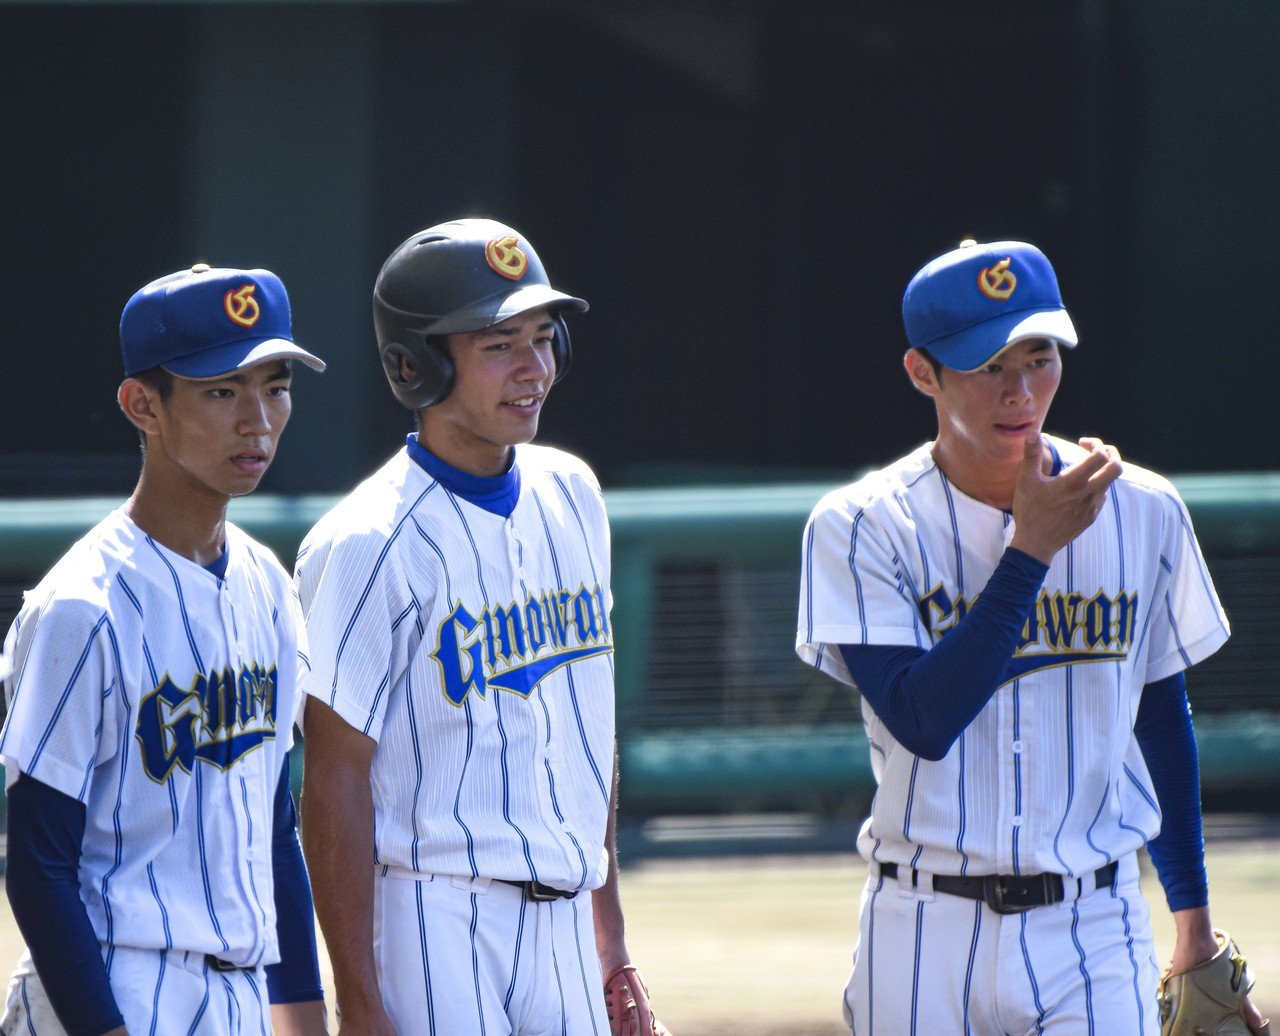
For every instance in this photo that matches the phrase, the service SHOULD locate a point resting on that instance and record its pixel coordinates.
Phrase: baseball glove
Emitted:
(1208, 999)
(626, 1000)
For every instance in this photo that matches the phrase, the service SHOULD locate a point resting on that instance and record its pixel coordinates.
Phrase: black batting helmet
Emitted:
(464, 275)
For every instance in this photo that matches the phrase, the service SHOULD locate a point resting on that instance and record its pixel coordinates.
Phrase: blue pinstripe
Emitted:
(66, 691)
(155, 679)
(1031, 973)
(857, 580)
(808, 582)
(164, 962)
(584, 970)
(506, 789)
(960, 805)
(1177, 637)
(515, 955)
(1088, 834)
(1084, 970)
(115, 813)
(1184, 523)
(204, 859)
(253, 885)
(457, 797)
(475, 962)
(26, 1003)
(555, 969)
(973, 952)
(419, 767)
(1133, 961)
(915, 966)
(426, 959)
(871, 950)
(182, 602)
(233, 1005)
(204, 1005)
(257, 996)
(1017, 773)
(1069, 706)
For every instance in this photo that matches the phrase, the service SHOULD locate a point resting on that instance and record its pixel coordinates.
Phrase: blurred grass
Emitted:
(761, 946)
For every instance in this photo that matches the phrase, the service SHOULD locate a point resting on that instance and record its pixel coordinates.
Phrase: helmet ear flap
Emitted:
(561, 348)
(432, 370)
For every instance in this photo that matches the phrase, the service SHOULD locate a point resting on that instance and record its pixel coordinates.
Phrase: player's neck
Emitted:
(465, 451)
(980, 478)
(191, 525)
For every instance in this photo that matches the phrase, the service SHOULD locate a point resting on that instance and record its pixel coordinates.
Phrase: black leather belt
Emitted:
(1009, 893)
(539, 892)
(218, 964)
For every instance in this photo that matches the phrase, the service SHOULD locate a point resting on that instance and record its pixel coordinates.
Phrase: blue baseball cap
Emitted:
(206, 323)
(966, 306)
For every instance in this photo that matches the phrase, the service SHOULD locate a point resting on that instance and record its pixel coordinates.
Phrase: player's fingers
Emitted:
(1032, 453)
(1253, 1017)
(1095, 445)
(1111, 470)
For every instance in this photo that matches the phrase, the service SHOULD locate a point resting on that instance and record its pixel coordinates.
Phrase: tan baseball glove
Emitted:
(1209, 999)
(626, 1000)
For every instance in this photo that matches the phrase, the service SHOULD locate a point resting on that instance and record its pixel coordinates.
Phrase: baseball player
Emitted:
(153, 866)
(1017, 612)
(458, 797)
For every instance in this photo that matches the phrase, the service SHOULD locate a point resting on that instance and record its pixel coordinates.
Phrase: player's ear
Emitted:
(140, 403)
(921, 371)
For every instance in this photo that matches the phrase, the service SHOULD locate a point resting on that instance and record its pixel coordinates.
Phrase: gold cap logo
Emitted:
(998, 281)
(506, 257)
(241, 306)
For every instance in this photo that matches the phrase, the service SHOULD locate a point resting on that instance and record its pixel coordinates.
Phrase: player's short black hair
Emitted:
(158, 379)
(934, 362)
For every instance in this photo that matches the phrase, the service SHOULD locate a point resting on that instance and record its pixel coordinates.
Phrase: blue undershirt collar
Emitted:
(497, 495)
(219, 567)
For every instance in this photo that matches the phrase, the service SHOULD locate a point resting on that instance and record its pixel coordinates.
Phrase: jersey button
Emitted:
(1017, 821)
(1017, 747)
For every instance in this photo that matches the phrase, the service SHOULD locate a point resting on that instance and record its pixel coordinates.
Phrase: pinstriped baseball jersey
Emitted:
(1048, 776)
(477, 651)
(163, 699)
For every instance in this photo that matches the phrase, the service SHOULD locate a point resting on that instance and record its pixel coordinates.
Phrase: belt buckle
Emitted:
(994, 890)
(218, 964)
(541, 893)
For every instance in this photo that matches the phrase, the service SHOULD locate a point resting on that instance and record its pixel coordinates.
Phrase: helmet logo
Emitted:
(506, 257)
(241, 306)
(998, 281)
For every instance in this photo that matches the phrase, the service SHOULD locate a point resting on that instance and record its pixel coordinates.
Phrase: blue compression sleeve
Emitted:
(297, 977)
(46, 830)
(927, 698)
(1168, 742)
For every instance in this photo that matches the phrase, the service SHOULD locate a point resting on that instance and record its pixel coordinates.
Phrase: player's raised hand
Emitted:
(1050, 511)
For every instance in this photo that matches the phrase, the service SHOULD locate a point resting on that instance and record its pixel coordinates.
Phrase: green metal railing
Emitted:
(676, 755)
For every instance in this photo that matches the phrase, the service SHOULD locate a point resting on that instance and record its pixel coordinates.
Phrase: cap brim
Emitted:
(225, 359)
(973, 347)
(495, 310)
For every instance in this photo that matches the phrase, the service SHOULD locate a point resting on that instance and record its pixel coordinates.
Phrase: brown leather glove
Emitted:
(626, 1000)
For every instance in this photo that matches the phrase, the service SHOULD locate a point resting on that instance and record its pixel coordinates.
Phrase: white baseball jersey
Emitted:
(163, 699)
(477, 651)
(1048, 776)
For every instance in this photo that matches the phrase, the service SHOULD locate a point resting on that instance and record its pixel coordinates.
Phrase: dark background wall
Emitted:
(741, 191)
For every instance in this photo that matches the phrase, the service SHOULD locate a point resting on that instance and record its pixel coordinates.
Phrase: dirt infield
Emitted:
(760, 945)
